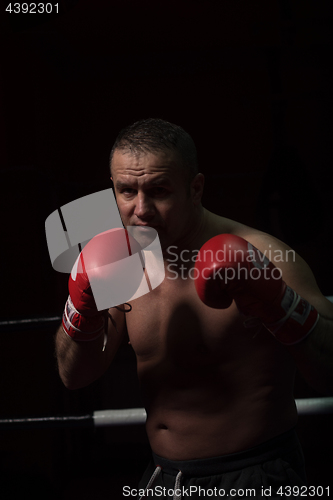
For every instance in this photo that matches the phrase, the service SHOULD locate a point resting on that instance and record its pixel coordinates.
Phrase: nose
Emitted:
(144, 208)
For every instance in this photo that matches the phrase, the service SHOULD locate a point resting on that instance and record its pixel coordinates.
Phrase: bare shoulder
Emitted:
(295, 271)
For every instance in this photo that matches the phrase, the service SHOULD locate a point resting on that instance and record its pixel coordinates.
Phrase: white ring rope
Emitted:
(136, 416)
(314, 406)
(130, 416)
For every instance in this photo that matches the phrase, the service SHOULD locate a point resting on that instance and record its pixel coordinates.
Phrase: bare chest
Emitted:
(171, 322)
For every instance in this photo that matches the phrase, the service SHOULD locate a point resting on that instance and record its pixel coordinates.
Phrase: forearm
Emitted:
(79, 363)
(314, 357)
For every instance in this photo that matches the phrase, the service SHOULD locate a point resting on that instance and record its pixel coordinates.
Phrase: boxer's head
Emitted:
(156, 180)
(155, 135)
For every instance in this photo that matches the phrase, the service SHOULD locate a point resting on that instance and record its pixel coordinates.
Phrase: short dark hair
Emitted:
(154, 134)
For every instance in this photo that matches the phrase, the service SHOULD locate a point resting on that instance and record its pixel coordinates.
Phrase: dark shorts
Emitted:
(274, 469)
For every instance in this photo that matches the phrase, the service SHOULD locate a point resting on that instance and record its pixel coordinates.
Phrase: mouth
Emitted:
(144, 234)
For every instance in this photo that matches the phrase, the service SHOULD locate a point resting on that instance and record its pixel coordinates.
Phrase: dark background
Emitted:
(251, 81)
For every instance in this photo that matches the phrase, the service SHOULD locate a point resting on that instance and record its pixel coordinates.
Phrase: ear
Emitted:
(196, 188)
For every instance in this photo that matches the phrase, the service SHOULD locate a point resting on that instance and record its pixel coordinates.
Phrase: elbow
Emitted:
(70, 382)
(70, 385)
(74, 381)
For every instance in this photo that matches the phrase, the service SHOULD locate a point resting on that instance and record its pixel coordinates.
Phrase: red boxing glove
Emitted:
(230, 268)
(81, 319)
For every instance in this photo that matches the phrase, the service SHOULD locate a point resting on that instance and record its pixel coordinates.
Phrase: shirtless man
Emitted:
(218, 395)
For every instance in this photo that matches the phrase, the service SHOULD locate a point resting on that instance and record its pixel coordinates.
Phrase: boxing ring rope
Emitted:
(134, 416)
(45, 322)
(119, 417)
(29, 323)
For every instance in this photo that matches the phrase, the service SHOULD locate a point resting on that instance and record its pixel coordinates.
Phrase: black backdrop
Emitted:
(251, 81)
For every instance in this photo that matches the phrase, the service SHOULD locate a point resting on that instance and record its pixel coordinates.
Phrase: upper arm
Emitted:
(295, 271)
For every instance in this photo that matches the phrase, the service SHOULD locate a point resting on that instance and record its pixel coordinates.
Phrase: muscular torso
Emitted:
(209, 385)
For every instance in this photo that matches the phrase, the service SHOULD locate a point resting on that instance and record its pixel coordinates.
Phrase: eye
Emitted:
(128, 191)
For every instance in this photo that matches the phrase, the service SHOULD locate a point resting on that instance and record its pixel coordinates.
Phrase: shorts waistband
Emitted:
(264, 452)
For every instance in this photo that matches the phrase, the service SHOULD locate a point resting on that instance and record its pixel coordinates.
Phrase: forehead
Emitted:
(164, 164)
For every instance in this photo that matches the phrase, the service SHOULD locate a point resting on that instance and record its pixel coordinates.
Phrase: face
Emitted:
(152, 190)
